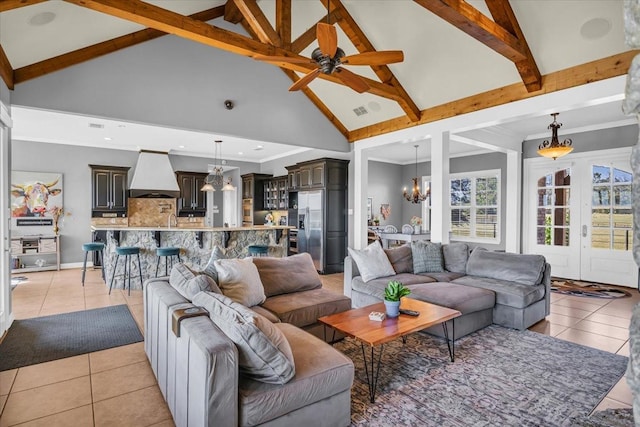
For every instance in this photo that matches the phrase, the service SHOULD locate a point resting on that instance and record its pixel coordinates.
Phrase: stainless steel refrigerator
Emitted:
(311, 226)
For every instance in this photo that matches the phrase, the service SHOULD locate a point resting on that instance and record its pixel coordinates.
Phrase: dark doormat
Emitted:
(587, 289)
(43, 339)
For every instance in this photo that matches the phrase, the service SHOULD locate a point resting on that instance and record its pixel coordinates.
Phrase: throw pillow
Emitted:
(210, 268)
(264, 352)
(285, 275)
(239, 280)
(372, 262)
(427, 257)
(400, 258)
(188, 283)
(455, 257)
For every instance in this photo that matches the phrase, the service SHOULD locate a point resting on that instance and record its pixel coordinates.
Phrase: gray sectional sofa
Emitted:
(506, 289)
(202, 371)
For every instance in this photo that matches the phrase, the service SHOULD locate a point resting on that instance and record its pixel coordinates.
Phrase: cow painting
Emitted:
(31, 198)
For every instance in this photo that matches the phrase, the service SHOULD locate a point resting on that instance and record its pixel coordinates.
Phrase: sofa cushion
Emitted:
(508, 293)
(304, 308)
(372, 262)
(525, 269)
(321, 372)
(376, 287)
(210, 268)
(458, 297)
(264, 354)
(271, 317)
(400, 258)
(427, 257)
(445, 276)
(188, 283)
(456, 256)
(239, 280)
(290, 274)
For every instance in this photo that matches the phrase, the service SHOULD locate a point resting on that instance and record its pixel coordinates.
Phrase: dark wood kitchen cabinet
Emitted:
(109, 190)
(192, 201)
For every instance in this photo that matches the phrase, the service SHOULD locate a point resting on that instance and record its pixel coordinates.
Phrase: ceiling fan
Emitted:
(329, 58)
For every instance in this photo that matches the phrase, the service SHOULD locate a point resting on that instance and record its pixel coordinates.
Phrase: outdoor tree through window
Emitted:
(475, 205)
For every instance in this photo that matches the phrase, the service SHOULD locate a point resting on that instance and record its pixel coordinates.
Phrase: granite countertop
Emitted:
(173, 229)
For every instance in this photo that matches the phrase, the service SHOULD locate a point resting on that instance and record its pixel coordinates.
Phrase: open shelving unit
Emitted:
(26, 250)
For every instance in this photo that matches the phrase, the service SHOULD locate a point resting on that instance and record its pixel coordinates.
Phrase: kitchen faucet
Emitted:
(169, 220)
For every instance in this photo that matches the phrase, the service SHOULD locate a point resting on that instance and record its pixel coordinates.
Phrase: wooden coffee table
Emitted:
(356, 323)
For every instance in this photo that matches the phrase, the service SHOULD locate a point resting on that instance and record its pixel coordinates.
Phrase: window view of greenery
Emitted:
(611, 212)
(553, 216)
(474, 207)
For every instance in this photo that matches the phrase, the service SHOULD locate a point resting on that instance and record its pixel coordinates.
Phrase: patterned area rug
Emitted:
(587, 289)
(501, 377)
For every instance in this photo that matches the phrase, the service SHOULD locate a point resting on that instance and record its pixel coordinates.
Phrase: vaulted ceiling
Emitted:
(460, 56)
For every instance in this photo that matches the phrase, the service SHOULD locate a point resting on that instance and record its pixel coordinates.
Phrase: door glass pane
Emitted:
(622, 176)
(562, 197)
(543, 235)
(545, 197)
(622, 195)
(545, 181)
(561, 236)
(623, 218)
(563, 177)
(601, 238)
(600, 217)
(622, 240)
(561, 216)
(600, 174)
(544, 217)
(601, 196)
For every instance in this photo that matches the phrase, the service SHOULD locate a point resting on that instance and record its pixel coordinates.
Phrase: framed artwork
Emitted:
(385, 210)
(369, 208)
(36, 196)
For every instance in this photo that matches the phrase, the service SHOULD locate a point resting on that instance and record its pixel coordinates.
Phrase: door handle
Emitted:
(584, 231)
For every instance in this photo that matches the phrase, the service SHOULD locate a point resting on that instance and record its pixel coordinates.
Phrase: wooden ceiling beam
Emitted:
(503, 15)
(258, 22)
(65, 60)
(468, 19)
(6, 5)
(309, 36)
(283, 21)
(232, 13)
(6, 72)
(308, 92)
(590, 72)
(182, 26)
(362, 43)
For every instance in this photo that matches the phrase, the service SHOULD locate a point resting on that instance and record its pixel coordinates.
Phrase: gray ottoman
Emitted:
(475, 304)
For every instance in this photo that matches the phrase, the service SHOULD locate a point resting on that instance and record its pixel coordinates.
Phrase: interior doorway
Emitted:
(578, 214)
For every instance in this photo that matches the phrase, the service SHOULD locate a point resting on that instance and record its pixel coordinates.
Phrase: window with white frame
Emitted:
(475, 206)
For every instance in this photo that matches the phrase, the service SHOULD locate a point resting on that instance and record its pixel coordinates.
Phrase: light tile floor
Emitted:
(116, 387)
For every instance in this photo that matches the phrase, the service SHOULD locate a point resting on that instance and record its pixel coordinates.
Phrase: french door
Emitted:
(578, 215)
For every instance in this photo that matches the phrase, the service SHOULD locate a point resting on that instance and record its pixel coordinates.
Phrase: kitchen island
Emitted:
(195, 243)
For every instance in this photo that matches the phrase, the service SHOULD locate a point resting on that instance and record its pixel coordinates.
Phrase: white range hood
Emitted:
(154, 176)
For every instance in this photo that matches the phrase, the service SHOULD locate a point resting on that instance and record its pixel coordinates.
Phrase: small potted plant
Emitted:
(392, 294)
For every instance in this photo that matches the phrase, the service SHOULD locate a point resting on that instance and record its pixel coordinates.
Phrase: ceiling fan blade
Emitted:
(352, 80)
(278, 59)
(305, 80)
(382, 57)
(327, 39)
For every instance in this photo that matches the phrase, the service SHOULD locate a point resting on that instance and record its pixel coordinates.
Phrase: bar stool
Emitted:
(168, 253)
(92, 247)
(126, 251)
(258, 250)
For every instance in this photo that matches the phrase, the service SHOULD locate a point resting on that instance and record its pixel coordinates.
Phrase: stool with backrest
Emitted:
(126, 251)
(258, 250)
(92, 247)
(167, 253)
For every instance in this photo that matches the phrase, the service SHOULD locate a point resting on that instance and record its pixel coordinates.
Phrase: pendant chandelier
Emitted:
(415, 196)
(215, 177)
(555, 148)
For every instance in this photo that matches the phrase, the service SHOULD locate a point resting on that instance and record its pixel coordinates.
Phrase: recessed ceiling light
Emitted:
(42, 18)
(240, 153)
(180, 146)
(106, 138)
(595, 28)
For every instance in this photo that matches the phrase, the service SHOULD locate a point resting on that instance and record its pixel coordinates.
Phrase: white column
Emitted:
(6, 313)
(440, 187)
(361, 177)
(513, 202)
